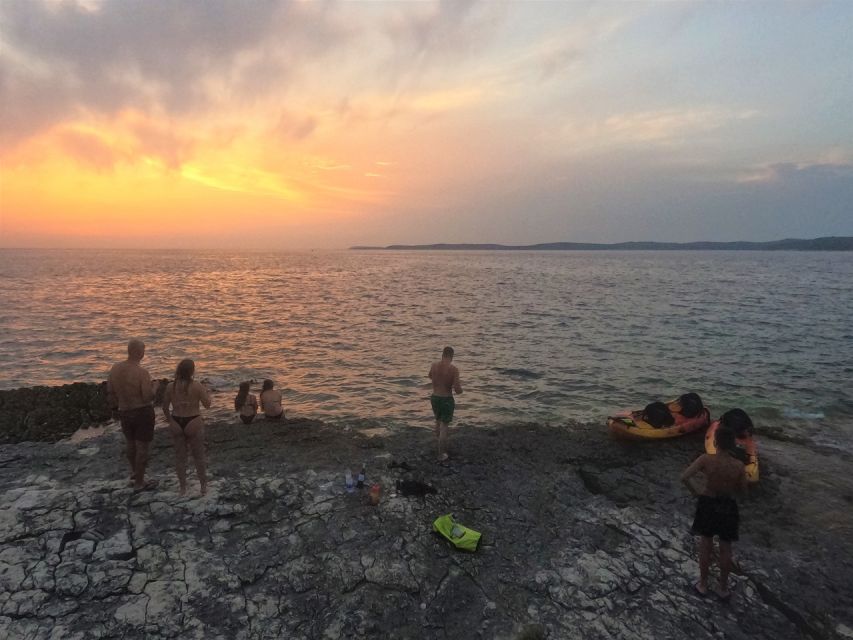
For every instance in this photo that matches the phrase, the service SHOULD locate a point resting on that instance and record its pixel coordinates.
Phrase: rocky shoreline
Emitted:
(582, 537)
(49, 414)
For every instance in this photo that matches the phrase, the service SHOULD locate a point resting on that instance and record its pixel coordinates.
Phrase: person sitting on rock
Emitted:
(246, 404)
(271, 401)
(716, 509)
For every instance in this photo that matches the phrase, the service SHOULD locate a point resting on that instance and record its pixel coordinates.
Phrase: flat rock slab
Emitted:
(582, 537)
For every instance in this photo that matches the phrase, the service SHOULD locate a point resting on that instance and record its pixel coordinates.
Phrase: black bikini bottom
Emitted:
(183, 421)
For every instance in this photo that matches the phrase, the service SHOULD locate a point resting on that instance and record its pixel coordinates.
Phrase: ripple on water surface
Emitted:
(538, 335)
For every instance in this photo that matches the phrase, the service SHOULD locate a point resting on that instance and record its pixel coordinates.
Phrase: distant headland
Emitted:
(831, 243)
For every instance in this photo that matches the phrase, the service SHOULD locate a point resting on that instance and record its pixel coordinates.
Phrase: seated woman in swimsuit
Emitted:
(180, 406)
(271, 401)
(246, 404)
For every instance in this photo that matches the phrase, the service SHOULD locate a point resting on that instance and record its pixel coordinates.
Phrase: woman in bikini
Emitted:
(246, 404)
(271, 401)
(185, 422)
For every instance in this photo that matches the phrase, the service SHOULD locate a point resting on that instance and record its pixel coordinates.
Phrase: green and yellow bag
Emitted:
(461, 536)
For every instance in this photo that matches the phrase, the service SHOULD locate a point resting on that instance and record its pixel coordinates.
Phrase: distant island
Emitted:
(831, 243)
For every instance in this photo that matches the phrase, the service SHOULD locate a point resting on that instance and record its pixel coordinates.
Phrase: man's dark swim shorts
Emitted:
(717, 517)
(442, 408)
(138, 424)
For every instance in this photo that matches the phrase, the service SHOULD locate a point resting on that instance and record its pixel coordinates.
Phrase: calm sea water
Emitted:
(540, 336)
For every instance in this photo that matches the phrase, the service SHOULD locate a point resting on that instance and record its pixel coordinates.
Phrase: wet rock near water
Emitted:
(582, 537)
(51, 413)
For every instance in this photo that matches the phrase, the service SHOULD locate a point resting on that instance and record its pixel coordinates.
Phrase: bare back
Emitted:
(724, 474)
(271, 402)
(250, 406)
(129, 386)
(185, 401)
(445, 378)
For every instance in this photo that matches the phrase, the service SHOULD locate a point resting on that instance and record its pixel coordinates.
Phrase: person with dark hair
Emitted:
(716, 509)
(271, 401)
(130, 393)
(180, 406)
(445, 380)
(246, 404)
(738, 421)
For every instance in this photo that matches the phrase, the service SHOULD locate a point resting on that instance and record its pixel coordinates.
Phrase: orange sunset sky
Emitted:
(323, 124)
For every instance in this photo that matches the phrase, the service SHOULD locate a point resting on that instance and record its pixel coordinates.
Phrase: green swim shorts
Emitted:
(442, 408)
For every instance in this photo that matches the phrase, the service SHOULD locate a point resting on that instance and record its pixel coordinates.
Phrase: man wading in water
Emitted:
(445, 380)
(130, 393)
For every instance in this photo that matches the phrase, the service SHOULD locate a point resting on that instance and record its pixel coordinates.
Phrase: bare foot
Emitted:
(203, 490)
(723, 595)
(148, 486)
(443, 457)
(183, 490)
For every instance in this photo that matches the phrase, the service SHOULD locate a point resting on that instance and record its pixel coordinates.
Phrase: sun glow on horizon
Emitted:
(294, 124)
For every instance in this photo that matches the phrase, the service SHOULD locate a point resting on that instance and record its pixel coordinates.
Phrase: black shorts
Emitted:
(717, 516)
(138, 424)
(247, 419)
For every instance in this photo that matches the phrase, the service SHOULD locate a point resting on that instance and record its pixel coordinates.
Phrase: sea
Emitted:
(547, 337)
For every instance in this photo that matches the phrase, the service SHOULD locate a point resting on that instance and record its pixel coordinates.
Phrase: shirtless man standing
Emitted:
(130, 393)
(445, 380)
(716, 509)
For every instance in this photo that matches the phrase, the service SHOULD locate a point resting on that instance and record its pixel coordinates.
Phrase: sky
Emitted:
(291, 125)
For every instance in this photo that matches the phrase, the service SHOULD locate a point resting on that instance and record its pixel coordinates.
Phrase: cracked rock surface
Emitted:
(582, 537)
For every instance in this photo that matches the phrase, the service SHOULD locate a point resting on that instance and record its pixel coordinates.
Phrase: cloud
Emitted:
(439, 28)
(295, 127)
(89, 149)
(835, 163)
(65, 59)
(669, 126)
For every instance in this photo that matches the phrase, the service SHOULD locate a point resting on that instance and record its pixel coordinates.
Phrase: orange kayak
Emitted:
(748, 444)
(629, 424)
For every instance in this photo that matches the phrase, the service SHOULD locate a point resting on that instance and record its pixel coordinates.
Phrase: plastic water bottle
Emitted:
(360, 483)
(348, 480)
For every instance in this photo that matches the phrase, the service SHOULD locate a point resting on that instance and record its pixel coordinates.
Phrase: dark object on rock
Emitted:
(405, 466)
(691, 405)
(658, 415)
(414, 488)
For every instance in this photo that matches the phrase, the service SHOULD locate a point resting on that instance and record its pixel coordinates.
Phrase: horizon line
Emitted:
(421, 245)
